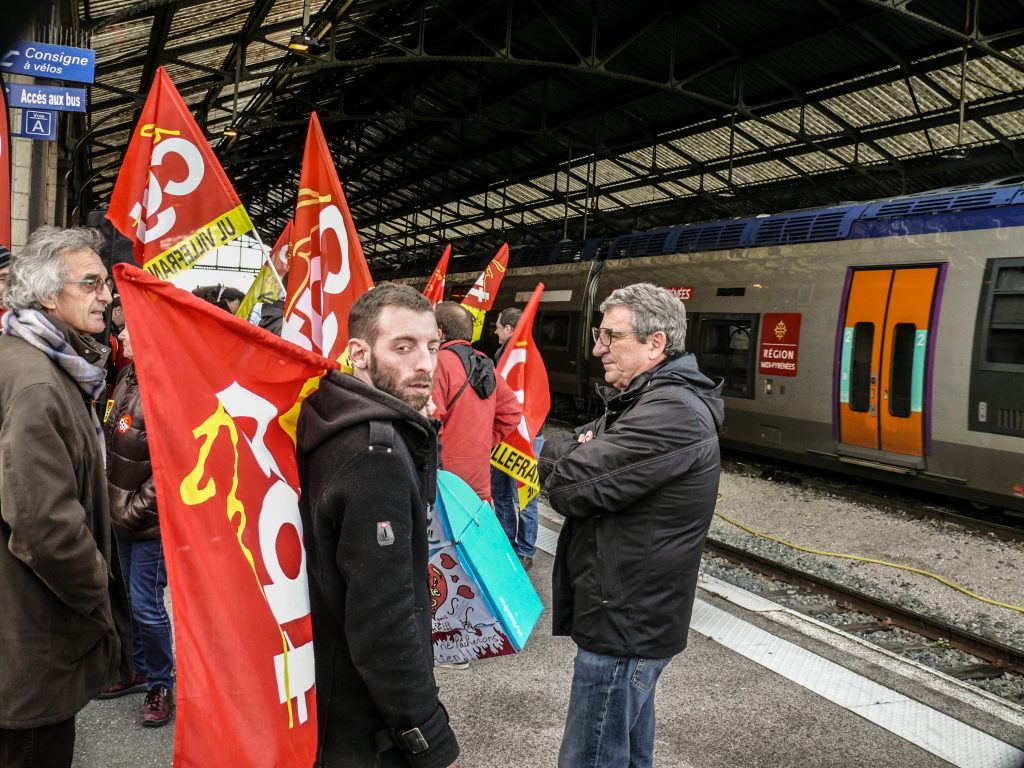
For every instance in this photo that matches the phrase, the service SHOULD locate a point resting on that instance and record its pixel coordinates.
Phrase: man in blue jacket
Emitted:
(638, 489)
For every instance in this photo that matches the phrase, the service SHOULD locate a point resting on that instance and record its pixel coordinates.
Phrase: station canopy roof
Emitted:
(532, 121)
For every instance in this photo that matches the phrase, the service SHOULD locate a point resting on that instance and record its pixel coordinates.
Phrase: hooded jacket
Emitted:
(64, 619)
(471, 426)
(368, 470)
(130, 483)
(638, 500)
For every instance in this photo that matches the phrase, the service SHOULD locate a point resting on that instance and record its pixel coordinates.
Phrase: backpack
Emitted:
(479, 372)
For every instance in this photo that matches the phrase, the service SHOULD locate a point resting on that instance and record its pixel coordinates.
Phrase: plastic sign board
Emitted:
(46, 97)
(57, 62)
(38, 124)
(780, 344)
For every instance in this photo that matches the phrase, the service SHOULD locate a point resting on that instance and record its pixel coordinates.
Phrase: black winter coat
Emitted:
(130, 483)
(638, 499)
(368, 470)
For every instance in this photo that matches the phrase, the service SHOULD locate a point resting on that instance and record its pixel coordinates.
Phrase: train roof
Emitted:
(935, 210)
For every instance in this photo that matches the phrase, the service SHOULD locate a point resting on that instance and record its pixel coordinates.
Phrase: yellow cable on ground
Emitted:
(911, 569)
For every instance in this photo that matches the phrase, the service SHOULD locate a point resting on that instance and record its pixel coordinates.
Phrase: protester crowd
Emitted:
(82, 568)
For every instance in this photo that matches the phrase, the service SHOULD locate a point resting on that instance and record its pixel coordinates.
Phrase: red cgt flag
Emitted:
(281, 253)
(481, 296)
(221, 403)
(328, 270)
(435, 285)
(172, 198)
(523, 368)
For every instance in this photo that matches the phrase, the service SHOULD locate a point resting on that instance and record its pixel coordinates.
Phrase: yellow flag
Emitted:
(266, 287)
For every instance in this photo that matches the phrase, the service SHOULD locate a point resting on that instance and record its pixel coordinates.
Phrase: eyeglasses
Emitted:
(607, 335)
(96, 284)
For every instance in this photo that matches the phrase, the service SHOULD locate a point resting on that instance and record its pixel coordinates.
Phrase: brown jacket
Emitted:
(129, 472)
(64, 626)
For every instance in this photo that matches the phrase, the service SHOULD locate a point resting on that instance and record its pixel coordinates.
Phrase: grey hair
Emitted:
(654, 309)
(38, 271)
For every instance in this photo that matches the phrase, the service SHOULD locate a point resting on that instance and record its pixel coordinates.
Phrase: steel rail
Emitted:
(984, 648)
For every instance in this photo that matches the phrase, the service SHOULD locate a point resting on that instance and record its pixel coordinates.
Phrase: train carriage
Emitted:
(885, 339)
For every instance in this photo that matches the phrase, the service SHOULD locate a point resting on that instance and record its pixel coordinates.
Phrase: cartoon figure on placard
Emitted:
(464, 628)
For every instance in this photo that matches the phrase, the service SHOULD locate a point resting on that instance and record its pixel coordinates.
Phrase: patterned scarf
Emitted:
(35, 328)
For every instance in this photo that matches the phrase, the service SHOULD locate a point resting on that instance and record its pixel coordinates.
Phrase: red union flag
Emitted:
(221, 403)
(281, 253)
(328, 270)
(481, 296)
(523, 368)
(435, 285)
(172, 198)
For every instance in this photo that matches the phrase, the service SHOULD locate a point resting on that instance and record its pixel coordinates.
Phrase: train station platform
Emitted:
(759, 685)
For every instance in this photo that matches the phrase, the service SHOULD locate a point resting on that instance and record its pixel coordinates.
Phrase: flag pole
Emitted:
(266, 257)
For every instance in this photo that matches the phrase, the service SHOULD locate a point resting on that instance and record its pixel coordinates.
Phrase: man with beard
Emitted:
(367, 455)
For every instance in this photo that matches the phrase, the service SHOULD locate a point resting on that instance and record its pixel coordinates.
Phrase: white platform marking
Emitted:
(940, 734)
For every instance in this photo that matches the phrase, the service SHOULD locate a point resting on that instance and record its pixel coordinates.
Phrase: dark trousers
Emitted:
(48, 746)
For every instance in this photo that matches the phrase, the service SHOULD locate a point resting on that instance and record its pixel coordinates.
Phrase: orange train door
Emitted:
(883, 359)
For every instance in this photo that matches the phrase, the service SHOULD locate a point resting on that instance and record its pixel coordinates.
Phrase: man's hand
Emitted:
(585, 437)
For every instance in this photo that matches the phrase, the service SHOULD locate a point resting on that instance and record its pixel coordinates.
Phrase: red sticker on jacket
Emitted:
(125, 423)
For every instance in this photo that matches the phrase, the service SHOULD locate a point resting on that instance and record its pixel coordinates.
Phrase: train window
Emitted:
(553, 330)
(860, 367)
(901, 372)
(1006, 324)
(724, 350)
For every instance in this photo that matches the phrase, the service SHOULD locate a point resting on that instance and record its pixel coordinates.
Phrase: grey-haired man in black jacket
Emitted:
(638, 489)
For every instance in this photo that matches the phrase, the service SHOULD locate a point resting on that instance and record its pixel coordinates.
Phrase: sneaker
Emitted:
(157, 709)
(455, 665)
(527, 562)
(136, 685)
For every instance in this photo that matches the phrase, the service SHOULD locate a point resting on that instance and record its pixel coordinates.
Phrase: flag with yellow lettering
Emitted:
(172, 199)
(435, 285)
(221, 400)
(481, 296)
(522, 366)
(328, 270)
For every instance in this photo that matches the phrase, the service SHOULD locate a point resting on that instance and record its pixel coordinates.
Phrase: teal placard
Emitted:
(917, 375)
(844, 366)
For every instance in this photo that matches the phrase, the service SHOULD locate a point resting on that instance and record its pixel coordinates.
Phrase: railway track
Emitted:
(920, 506)
(997, 658)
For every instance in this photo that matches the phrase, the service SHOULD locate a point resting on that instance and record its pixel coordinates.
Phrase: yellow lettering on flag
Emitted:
(210, 237)
(520, 466)
(192, 494)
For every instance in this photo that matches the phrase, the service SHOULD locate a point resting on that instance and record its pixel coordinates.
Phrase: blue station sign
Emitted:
(38, 124)
(46, 97)
(57, 62)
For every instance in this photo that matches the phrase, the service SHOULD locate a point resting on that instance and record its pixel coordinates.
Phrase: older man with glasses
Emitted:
(64, 634)
(638, 489)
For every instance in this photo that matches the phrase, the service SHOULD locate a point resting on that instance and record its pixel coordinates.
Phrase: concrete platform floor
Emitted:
(716, 707)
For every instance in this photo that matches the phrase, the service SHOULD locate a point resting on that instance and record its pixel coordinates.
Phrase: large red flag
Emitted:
(481, 296)
(221, 399)
(435, 285)
(522, 366)
(172, 198)
(328, 270)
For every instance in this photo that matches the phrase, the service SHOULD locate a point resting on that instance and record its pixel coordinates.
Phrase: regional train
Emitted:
(884, 338)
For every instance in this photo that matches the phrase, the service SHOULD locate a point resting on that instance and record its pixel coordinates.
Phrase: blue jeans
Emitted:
(611, 712)
(146, 574)
(520, 527)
